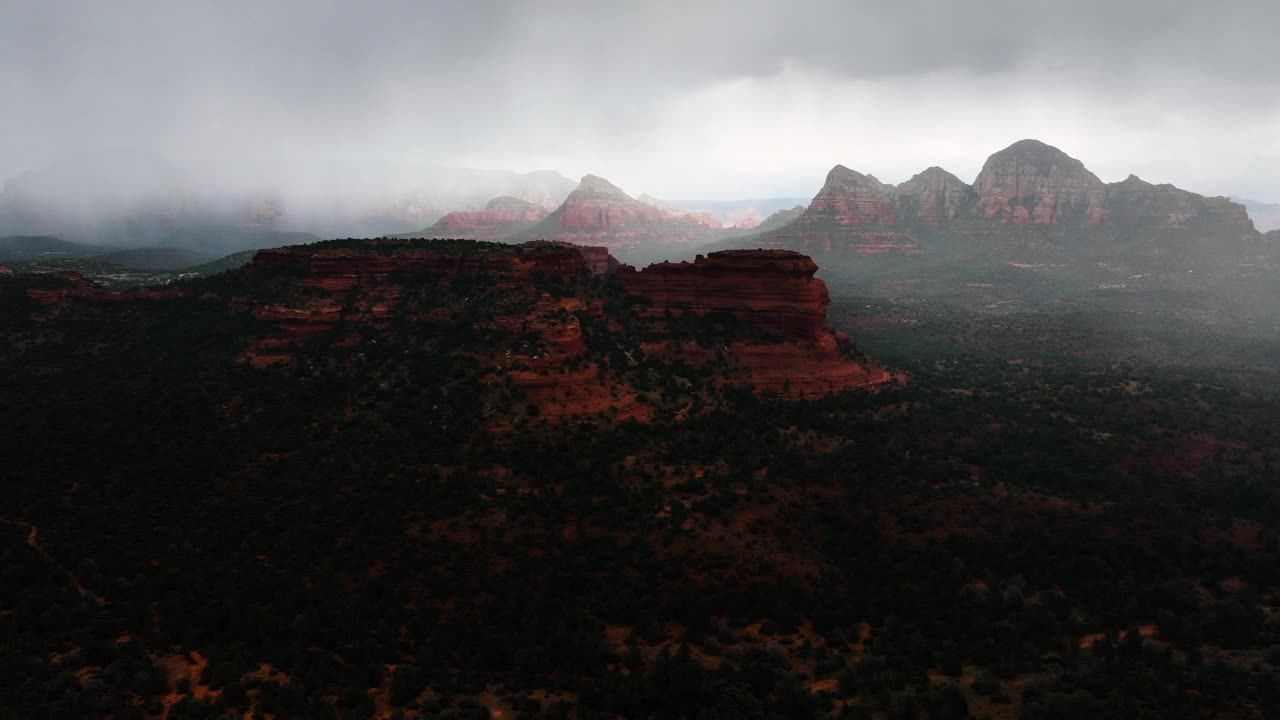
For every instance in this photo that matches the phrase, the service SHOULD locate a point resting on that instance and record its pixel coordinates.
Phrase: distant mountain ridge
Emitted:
(1028, 195)
(599, 213)
(116, 203)
(1038, 230)
(37, 247)
(500, 218)
(743, 213)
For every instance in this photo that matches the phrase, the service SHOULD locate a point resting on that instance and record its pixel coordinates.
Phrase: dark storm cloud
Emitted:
(288, 91)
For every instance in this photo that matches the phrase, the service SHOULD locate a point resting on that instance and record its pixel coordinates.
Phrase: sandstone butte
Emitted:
(337, 290)
(598, 213)
(773, 291)
(500, 218)
(1028, 186)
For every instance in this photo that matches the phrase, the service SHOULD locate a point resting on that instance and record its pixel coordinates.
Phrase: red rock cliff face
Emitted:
(598, 213)
(1029, 197)
(772, 290)
(853, 213)
(536, 350)
(1144, 209)
(6, 271)
(597, 259)
(336, 267)
(499, 219)
(851, 199)
(331, 274)
(1031, 183)
(933, 197)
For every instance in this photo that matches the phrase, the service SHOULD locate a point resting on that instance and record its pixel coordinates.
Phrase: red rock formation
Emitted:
(851, 199)
(704, 218)
(1029, 198)
(933, 197)
(772, 290)
(1031, 183)
(338, 271)
(598, 213)
(77, 287)
(338, 268)
(501, 218)
(1143, 209)
(597, 259)
(541, 354)
(6, 271)
(805, 369)
(853, 213)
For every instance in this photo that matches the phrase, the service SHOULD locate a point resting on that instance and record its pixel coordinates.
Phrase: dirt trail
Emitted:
(33, 540)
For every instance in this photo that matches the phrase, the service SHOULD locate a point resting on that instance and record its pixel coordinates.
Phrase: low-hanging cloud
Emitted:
(689, 99)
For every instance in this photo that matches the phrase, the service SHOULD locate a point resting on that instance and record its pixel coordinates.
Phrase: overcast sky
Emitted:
(680, 99)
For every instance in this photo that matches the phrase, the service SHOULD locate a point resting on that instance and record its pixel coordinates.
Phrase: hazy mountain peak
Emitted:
(1038, 158)
(648, 199)
(841, 176)
(506, 202)
(596, 185)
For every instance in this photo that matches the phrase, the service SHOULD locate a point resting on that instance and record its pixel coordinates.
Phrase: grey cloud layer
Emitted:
(289, 90)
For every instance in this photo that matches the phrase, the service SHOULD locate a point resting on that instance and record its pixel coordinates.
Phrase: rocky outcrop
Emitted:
(74, 287)
(933, 197)
(337, 268)
(1031, 183)
(531, 340)
(599, 213)
(599, 206)
(597, 259)
(1145, 210)
(500, 218)
(852, 214)
(336, 288)
(850, 199)
(1029, 198)
(704, 218)
(772, 291)
(6, 271)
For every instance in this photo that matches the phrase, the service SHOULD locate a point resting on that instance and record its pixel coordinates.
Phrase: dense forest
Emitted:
(1046, 516)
